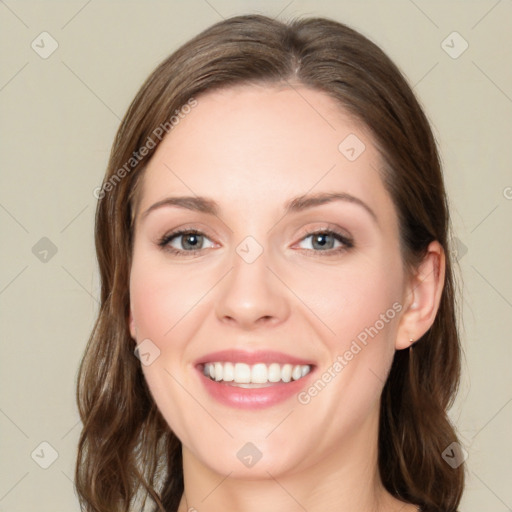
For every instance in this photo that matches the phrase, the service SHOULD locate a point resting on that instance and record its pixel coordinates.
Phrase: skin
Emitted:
(252, 148)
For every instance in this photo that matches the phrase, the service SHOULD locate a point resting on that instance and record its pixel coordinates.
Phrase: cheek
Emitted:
(352, 298)
(160, 297)
(362, 307)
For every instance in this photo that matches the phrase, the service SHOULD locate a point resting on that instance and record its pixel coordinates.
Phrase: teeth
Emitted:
(296, 373)
(242, 373)
(218, 371)
(274, 372)
(260, 373)
(228, 372)
(286, 373)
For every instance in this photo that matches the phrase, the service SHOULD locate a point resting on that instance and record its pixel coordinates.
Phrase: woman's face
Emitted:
(250, 286)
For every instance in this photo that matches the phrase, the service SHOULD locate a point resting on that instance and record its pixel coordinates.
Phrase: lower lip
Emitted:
(255, 398)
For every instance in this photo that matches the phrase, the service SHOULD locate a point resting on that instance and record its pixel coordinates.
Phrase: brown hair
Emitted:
(126, 447)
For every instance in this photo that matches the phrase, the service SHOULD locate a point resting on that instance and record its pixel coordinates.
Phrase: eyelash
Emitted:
(347, 242)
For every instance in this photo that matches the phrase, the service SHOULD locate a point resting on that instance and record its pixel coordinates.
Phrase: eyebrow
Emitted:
(297, 204)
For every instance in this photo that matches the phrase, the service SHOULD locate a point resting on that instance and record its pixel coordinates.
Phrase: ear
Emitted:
(133, 328)
(422, 297)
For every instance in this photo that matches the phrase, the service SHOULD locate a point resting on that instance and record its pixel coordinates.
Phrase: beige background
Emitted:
(58, 118)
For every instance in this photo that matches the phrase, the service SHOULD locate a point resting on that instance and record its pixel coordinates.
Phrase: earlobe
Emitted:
(423, 297)
(131, 324)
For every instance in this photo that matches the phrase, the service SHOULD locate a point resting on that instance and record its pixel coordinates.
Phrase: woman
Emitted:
(273, 237)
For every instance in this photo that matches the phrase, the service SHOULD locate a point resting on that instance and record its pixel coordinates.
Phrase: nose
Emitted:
(251, 295)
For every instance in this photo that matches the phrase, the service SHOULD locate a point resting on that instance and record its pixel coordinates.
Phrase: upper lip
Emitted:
(252, 357)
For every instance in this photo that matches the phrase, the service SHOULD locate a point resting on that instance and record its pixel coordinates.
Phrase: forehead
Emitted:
(266, 121)
(264, 144)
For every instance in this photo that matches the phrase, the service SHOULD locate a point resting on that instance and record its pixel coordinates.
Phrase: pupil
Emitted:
(191, 237)
(321, 240)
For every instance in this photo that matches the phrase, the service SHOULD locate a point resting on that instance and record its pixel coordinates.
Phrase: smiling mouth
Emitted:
(258, 375)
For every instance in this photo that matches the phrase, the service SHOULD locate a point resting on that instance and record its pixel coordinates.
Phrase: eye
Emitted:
(192, 241)
(327, 241)
(188, 241)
